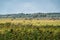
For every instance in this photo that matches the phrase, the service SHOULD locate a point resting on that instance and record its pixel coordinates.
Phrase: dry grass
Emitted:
(33, 21)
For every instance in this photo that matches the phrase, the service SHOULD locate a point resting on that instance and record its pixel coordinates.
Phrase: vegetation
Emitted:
(33, 16)
(34, 29)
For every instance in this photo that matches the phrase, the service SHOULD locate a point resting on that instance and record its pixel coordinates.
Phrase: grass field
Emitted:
(20, 29)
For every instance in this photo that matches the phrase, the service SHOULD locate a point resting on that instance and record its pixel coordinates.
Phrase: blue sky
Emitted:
(29, 6)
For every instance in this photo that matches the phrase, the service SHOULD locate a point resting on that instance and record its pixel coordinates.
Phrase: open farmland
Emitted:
(21, 29)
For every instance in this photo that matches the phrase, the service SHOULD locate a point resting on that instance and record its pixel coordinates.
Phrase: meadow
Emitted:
(22, 29)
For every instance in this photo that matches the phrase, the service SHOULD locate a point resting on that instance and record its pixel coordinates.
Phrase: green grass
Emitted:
(12, 31)
(20, 29)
